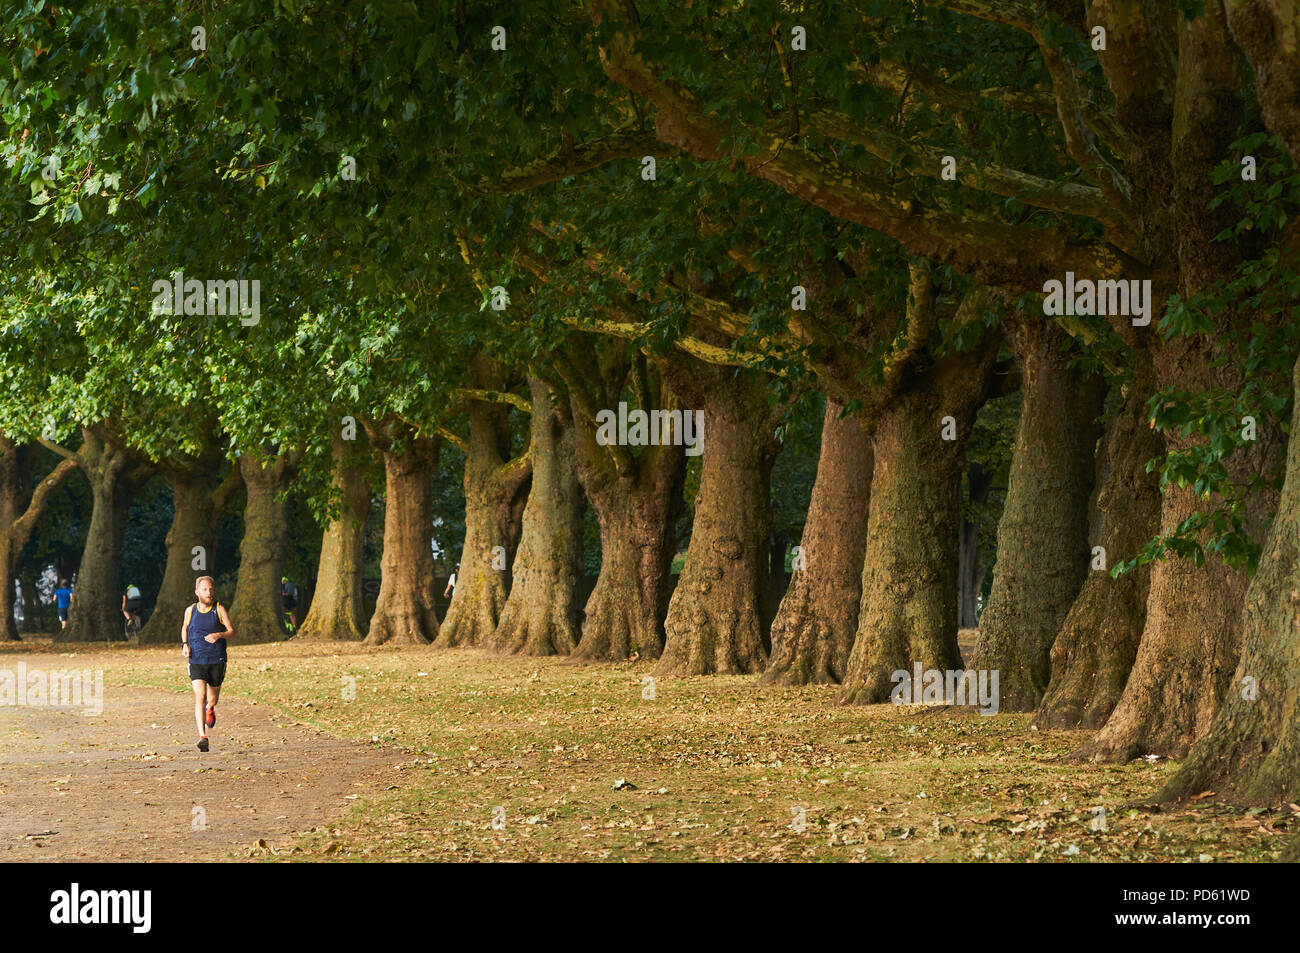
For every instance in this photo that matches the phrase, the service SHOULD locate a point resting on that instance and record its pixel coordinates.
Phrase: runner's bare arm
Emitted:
(225, 620)
(185, 628)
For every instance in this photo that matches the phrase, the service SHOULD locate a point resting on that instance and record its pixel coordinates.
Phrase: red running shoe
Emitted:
(211, 717)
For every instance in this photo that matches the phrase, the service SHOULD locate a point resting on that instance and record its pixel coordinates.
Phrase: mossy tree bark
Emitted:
(1093, 653)
(493, 483)
(21, 506)
(1191, 639)
(336, 610)
(817, 621)
(715, 619)
(404, 612)
(1251, 751)
(541, 614)
(636, 494)
(1182, 125)
(1269, 32)
(256, 610)
(1043, 533)
(908, 611)
(115, 474)
(198, 502)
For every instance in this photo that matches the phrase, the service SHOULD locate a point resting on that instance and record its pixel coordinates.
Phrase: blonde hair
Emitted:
(201, 578)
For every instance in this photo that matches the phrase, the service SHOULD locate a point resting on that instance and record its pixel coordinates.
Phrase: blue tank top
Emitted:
(203, 652)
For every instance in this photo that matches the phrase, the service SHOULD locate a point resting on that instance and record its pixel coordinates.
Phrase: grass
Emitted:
(578, 764)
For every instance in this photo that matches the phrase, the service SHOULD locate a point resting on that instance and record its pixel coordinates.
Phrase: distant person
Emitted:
(204, 632)
(63, 598)
(131, 601)
(451, 582)
(289, 599)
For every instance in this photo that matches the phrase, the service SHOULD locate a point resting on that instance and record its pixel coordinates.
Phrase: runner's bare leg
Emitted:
(200, 694)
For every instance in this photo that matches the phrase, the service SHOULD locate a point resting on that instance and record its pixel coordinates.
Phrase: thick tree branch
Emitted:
(1269, 32)
(513, 474)
(940, 91)
(23, 526)
(60, 450)
(496, 396)
(574, 160)
(619, 455)
(1079, 140)
(991, 250)
(1068, 197)
(922, 322)
(711, 313)
(455, 440)
(1011, 12)
(627, 326)
(226, 489)
(631, 330)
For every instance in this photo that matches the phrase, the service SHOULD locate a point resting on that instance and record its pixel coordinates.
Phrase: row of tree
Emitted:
(459, 214)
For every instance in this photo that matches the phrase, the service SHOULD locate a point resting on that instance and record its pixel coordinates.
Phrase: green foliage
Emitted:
(1249, 319)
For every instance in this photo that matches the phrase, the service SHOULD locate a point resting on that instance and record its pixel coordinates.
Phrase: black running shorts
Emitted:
(213, 674)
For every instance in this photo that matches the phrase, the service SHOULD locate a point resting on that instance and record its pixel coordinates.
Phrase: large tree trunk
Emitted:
(404, 612)
(194, 523)
(1252, 749)
(20, 509)
(1094, 651)
(908, 610)
(715, 621)
(491, 487)
(115, 476)
(336, 612)
(1269, 32)
(1043, 534)
(1191, 640)
(541, 614)
(256, 610)
(635, 503)
(626, 610)
(637, 496)
(817, 621)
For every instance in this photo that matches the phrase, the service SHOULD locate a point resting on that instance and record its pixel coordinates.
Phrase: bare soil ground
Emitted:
(131, 785)
(352, 753)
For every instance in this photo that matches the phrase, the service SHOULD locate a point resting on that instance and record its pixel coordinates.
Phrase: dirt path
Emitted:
(131, 785)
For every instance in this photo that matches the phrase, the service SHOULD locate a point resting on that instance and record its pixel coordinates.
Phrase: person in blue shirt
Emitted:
(204, 632)
(63, 597)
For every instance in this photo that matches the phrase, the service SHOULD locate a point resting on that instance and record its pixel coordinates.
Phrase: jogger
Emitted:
(204, 633)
